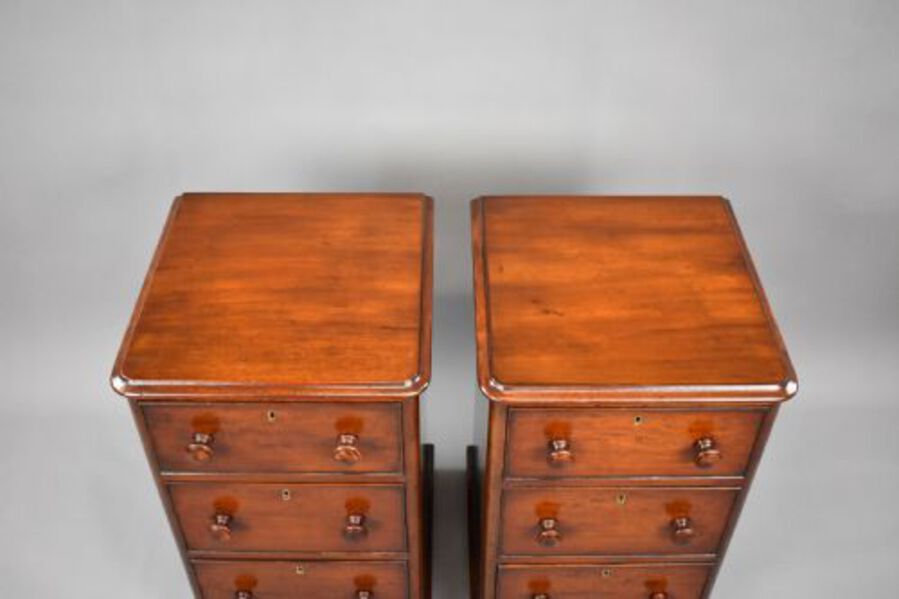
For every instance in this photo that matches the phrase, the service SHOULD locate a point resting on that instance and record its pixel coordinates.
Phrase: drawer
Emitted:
(290, 517)
(577, 582)
(614, 521)
(307, 579)
(598, 442)
(296, 437)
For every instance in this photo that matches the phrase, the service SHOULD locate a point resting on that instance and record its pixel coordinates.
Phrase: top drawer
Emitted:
(277, 438)
(622, 442)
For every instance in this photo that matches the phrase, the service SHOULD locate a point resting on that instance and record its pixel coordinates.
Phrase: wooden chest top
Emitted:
(284, 294)
(608, 298)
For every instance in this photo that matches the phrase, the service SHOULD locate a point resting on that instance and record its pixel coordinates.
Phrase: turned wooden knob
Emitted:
(243, 595)
(659, 595)
(707, 452)
(559, 452)
(347, 450)
(365, 595)
(549, 535)
(220, 527)
(200, 447)
(682, 530)
(355, 526)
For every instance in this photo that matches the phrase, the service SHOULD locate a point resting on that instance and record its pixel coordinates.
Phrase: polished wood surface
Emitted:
(268, 437)
(684, 581)
(616, 297)
(274, 365)
(284, 294)
(614, 521)
(632, 442)
(633, 371)
(292, 517)
(307, 579)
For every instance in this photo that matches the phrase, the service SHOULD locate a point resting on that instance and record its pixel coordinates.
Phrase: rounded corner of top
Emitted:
(120, 383)
(790, 387)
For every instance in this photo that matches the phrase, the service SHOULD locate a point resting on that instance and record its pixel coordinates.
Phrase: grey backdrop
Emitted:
(108, 109)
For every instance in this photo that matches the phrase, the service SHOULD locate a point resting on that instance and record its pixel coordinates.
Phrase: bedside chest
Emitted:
(632, 371)
(274, 365)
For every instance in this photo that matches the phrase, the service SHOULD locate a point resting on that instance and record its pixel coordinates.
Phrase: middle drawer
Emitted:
(614, 521)
(292, 437)
(291, 517)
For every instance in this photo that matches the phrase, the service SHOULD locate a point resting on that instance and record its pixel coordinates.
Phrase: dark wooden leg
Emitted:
(474, 520)
(427, 464)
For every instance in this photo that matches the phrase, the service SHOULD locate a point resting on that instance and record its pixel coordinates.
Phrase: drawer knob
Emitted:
(347, 449)
(365, 595)
(682, 530)
(200, 447)
(540, 596)
(220, 527)
(707, 452)
(559, 452)
(549, 535)
(355, 526)
(243, 595)
(659, 595)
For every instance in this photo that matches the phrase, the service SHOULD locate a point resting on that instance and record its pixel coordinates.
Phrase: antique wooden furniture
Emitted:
(274, 365)
(633, 371)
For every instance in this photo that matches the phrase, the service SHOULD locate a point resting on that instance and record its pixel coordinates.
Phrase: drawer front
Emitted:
(300, 437)
(578, 582)
(290, 517)
(597, 442)
(307, 579)
(614, 521)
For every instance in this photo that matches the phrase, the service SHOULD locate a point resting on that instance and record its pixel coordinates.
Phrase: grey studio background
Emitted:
(108, 109)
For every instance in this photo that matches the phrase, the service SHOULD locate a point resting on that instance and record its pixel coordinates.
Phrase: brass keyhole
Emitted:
(270, 416)
(606, 573)
(638, 420)
(285, 494)
(621, 499)
(300, 570)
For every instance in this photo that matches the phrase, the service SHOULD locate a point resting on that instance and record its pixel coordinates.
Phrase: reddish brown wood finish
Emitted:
(307, 579)
(292, 517)
(261, 437)
(283, 294)
(274, 364)
(614, 521)
(589, 298)
(415, 509)
(624, 442)
(634, 370)
(684, 581)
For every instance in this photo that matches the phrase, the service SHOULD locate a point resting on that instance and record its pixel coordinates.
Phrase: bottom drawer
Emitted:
(642, 581)
(220, 579)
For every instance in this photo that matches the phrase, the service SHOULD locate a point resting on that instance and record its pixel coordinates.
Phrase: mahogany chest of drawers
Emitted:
(274, 365)
(632, 370)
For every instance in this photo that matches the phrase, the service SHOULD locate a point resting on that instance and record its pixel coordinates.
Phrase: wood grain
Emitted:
(598, 522)
(284, 294)
(313, 518)
(277, 437)
(683, 581)
(634, 369)
(629, 442)
(307, 579)
(584, 298)
(274, 365)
